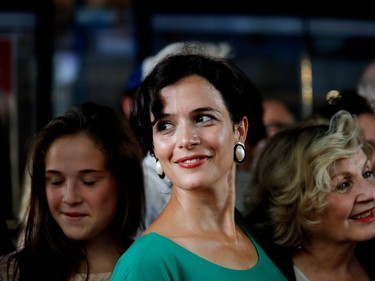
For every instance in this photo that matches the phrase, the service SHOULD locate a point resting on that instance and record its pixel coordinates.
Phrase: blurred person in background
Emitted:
(366, 84)
(277, 116)
(350, 100)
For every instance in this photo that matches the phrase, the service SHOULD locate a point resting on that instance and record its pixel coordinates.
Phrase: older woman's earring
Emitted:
(239, 152)
(159, 169)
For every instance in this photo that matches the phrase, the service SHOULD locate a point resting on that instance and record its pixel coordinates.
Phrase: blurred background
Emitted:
(57, 53)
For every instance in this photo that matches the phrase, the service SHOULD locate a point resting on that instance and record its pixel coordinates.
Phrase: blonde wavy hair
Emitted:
(293, 176)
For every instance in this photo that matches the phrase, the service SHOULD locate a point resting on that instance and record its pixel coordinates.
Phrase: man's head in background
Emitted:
(277, 116)
(366, 84)
(351, 101)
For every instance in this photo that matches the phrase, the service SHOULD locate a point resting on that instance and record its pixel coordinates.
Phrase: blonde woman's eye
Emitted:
(342, 187)
(368, 174)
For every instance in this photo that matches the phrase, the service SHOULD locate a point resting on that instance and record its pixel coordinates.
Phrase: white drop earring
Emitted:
(159, 169)
(239, 152)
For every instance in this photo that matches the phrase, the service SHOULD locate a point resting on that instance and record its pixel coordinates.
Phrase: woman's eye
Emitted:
(368, 174)
(204, 118)
(342, 187)
(163, 126)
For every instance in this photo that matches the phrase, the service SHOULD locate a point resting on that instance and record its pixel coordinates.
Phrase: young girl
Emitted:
(86, 200)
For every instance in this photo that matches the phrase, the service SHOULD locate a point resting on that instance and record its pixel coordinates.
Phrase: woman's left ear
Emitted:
(242, 128)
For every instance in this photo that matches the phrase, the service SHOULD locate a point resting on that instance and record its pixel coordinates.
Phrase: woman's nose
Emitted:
(367, 190)
(187, 136)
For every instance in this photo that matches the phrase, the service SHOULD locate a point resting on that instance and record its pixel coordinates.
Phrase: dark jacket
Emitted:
(282, 257)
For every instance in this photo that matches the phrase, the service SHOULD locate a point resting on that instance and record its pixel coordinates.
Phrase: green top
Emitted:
(155, 257)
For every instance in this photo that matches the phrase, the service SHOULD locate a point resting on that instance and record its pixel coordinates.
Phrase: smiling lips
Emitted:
(73, 216)
(366, 216)
(192, 161)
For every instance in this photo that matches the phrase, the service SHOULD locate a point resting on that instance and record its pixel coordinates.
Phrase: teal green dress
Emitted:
(153, 257)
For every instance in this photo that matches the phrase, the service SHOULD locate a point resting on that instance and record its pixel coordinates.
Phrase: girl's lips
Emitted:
(73, 216)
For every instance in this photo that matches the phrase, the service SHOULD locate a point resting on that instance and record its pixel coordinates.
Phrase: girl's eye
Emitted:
(54, 181)
(90, 183)
(90, 180)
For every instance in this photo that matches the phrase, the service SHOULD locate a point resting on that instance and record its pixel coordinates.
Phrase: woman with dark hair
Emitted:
(86, 200)
(193, 112)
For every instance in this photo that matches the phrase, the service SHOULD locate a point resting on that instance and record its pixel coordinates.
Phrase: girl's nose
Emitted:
(70, 193)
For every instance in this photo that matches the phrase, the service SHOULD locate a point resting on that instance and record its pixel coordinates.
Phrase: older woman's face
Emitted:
(194, 137)
(349, 215)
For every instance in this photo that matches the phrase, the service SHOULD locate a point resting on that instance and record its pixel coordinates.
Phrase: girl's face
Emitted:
(81, 193)
(194, 137)
(349, 215)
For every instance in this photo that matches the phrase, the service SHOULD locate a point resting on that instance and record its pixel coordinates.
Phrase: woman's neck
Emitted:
(329, 263)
